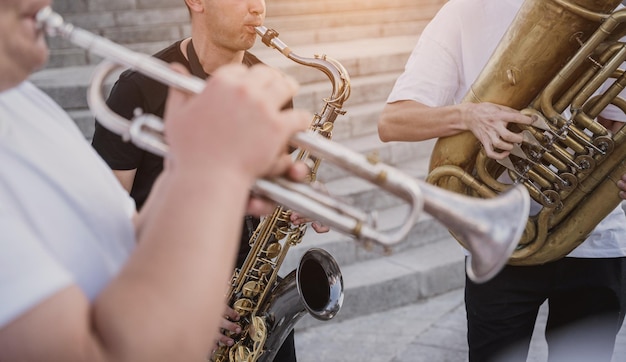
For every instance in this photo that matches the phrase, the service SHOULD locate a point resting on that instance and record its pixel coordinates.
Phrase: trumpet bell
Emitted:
(492, 242)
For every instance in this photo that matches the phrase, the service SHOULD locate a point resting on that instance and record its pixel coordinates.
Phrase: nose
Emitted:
(257, 7)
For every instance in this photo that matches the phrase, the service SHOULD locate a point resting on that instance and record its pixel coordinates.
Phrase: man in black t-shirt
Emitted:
(222, 32)
(136, 168)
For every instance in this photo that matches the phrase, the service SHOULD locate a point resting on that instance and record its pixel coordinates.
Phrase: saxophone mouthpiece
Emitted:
(269, 37)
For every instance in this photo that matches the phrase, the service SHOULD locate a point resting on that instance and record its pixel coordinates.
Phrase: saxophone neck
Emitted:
(335, 71)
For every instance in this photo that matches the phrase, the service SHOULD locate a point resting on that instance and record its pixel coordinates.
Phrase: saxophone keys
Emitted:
(273, 250)
(240, 354)
(327, 126)
(251, 289)
(258, 330)
(243, 306)
(264, 269)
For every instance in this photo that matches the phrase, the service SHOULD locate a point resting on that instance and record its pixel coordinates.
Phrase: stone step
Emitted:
(410, 157)
(278, 8)
(150, 28)
(347, 250)
(377, 57)
(372, 71)
(359, 57)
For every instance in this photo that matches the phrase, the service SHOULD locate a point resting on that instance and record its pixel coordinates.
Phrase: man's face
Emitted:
(22, 46)
(230, 23)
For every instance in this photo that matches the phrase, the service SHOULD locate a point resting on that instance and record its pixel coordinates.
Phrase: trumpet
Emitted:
(489, 242)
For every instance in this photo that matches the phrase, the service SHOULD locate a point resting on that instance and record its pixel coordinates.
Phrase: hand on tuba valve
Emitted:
(474, 221)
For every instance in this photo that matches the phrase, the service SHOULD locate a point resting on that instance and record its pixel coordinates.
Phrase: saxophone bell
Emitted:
(314, 287)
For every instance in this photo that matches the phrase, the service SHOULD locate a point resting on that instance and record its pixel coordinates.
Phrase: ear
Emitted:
(195, 6)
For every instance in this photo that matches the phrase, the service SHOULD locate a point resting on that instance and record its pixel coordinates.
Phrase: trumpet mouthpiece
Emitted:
(49, 21)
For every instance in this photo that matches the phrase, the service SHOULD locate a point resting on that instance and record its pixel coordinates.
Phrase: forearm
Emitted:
(164, 302)
(412, 121)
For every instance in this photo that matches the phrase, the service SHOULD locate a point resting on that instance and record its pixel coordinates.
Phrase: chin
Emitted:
(40, 58)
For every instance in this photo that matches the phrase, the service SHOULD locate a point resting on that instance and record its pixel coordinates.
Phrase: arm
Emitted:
(166, 302)
(122, 156)
(413, 121)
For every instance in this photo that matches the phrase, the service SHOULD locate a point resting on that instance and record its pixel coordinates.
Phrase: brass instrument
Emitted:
(554, 57)
(489, 242)
(270, 308)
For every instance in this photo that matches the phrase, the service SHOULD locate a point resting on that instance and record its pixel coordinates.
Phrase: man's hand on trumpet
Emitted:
(190, 140)
(296, 171)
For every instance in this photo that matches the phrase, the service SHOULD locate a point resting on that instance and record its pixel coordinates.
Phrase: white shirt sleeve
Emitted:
(430, 77)
(28, 274)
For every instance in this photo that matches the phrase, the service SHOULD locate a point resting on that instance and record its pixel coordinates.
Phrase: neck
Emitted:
(210, 56)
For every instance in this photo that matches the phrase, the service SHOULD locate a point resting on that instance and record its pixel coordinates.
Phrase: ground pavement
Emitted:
(432, 330)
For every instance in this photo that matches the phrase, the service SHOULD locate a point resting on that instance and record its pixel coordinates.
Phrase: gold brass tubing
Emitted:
(596, 82)
(589, 123)
(538, 134)
(602, 58)
(565, 99)
(534, 191)
(580, 139)
(484, 175)
(543, 176)
(620, 103)
(454, 171)
(562, 154)
(570, 68)
(582, 12)
(555, 161)
(527, 248)
(592, 180)
(612, 92)
(581, 80)
(618, 137)
(571, 142)
(561, 165)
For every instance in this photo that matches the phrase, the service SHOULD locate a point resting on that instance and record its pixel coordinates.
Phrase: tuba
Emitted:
(556, 56)
(270, 308)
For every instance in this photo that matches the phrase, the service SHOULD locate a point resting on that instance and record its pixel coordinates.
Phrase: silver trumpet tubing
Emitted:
(490, 228)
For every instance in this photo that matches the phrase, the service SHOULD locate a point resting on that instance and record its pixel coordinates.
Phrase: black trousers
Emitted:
(287, 352)
(586, 301)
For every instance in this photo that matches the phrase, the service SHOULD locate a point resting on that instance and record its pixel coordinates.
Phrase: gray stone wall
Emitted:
(142, 25)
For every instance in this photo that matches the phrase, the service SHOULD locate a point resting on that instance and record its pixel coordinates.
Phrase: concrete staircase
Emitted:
(372, 39)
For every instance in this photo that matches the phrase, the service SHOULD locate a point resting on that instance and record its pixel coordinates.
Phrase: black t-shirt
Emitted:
(134, 90)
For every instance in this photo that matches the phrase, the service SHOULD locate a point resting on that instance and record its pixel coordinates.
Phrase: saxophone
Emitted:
(270, 308)
(555, 56)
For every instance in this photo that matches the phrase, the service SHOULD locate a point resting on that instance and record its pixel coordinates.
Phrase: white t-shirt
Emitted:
(449, 56)
(64, 217)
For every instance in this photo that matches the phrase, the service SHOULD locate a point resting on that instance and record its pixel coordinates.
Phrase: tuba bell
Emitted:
(554, 57)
